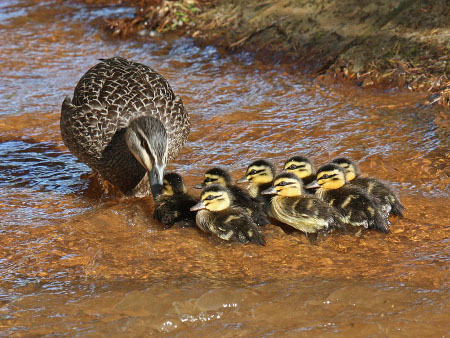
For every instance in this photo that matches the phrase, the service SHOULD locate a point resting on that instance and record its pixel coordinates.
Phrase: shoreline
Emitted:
(400, 44)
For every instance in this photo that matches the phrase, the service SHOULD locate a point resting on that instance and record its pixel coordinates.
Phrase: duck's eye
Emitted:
(252, 172)
(325, 176)
(282, 184)
(209, 179)
(210, 197)
(292, 167)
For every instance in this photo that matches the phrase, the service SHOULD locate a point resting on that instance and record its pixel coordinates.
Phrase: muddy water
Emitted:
(76, 261)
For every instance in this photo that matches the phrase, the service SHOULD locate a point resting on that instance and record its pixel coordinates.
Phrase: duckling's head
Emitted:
(331, 176)
(173, 184)
(214, 198)
(285, 184)
(215, 175)
(300, 166)
(350, 168)
(146, 138)
(259, 172)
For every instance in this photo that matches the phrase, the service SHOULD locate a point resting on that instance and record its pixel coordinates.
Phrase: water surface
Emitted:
(75, 260)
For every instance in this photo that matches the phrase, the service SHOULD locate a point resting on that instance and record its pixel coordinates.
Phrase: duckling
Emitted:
(218, 216)
(260, 174)
(358, 208)
(173, 205)
(372, 186)
(239, 196)
(299, 210)
(303, 168)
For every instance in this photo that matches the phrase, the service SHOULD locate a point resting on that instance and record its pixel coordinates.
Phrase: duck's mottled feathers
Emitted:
(105, 100)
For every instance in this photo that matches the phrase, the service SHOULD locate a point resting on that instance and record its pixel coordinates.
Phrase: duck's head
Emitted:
(214, 198)
(146, 138)
(331, 176)
(259, 172)
(215, 175)
(285, 184)
(173, 184)
(350, 168)
(300, 166)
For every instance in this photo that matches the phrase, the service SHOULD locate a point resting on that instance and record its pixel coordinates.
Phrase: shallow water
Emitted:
(77, 261)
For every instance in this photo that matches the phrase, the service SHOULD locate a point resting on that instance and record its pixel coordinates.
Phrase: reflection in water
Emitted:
(74, 260)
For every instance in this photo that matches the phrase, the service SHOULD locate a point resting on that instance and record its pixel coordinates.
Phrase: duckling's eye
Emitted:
(252, 172)
(292, 167)
(209, 179)
(282, 184)
(210, 198)
(325, 176)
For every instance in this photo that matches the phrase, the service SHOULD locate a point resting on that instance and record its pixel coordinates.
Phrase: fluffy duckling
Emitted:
(358, 208)
(299, 210)
(218, 216)
(303, 168)
(372, 186)
(260, 175)
(239, 196)
(173, 205)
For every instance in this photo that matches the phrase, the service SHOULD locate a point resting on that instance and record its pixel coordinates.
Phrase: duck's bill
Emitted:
(269, 191)
(199, 206)
(312, 185)
(242, 180)
(156, 180)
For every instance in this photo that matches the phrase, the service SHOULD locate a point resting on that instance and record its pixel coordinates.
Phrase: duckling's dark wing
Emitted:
(357, 208)
(106, 98)
(252, 205)
(235, 224)
(170, 210)
(381, 191)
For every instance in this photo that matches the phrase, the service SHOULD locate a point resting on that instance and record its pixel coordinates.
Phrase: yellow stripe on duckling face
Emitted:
(216, 201)
(211, 179)
(333, 179)
(167, 188)
(287, 187)
(259, 174)
(350, 172)
(301, 169)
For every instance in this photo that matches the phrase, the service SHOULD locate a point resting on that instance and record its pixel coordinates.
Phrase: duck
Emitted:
(372, 186)
(303, 168)
(304, 212)
(174, 204)
(260, 175)
(217, 215)
(239, 196)
(125, 122)
(354, 204)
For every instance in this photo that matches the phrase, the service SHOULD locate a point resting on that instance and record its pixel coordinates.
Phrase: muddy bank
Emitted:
(382, 43)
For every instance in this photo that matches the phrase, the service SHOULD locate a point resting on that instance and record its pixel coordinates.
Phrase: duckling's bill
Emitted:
(199, 206)
(312, 185)
(242, 180)
(269, 191)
